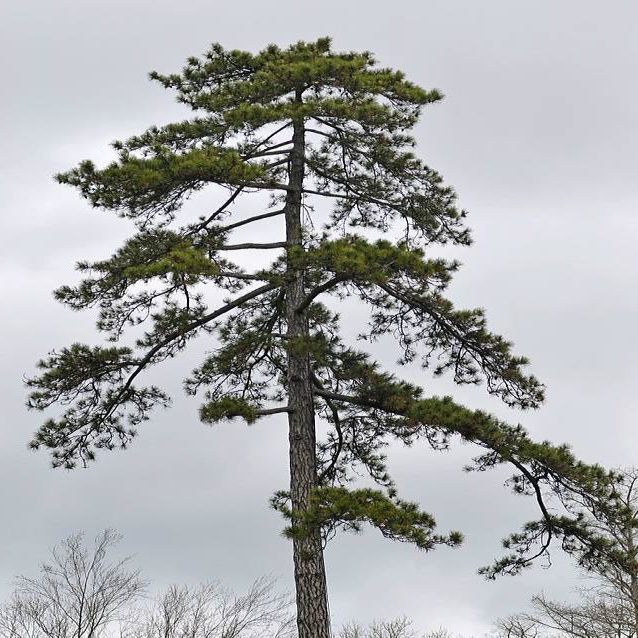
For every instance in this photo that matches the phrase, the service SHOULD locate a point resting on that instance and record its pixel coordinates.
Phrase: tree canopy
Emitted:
(327, 136)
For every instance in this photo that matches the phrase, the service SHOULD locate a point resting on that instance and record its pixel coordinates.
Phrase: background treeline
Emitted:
(81, 591)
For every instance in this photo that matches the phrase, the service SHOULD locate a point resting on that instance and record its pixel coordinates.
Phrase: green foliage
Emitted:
(338, 507)
(105, 407)
(404, 292)
(227, 408)
(370, 263)
(140, 187)
(251, 90)
(376, 405)
(182, 259)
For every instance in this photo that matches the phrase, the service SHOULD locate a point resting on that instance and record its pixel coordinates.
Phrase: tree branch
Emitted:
(345, 398)
(269, 411)
(255, 218)
(240, 275)
(337, 423)
(196, 324)
(269, 137)
(379, 406)
(218, 212)
(276, 244)
(270, 150)
(315, 292)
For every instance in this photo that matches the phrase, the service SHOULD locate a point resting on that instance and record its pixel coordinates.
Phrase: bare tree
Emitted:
(77, 594)
(17, 620)
(596, 616)
(212, 611)
(617, 572)
(516, 627)
(439, 633)
(398, 628)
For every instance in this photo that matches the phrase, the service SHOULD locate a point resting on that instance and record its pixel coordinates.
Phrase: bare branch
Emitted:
(268, 411)
(210, 610)
(276, 244)
(78, 593)
(255, 218)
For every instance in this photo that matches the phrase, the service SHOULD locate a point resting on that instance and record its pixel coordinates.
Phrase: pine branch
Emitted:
(270, 150)
(242, 276)
(193, 326)
(271, 135)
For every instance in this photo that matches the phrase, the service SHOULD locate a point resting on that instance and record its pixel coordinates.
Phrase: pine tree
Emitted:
(305, 125)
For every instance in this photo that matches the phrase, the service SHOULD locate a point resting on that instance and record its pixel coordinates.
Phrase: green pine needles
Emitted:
(327, 136)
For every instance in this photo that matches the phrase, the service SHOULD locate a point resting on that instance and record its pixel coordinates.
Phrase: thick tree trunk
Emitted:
(313, 620)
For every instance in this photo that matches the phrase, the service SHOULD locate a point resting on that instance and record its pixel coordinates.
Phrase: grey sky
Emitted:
(537, 133)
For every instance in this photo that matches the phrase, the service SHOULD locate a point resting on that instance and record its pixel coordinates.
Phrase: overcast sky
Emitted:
(538, 133)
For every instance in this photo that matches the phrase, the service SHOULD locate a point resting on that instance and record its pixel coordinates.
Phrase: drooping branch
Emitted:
(339, 507)
(537, 463)
(327, 472)
(76, 377)
(472, 349)
(549, 520)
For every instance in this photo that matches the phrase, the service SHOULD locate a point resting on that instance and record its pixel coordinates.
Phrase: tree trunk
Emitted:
(313, 620)
(634, 589)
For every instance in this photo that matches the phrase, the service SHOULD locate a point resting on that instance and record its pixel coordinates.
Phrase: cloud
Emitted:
(538, 135)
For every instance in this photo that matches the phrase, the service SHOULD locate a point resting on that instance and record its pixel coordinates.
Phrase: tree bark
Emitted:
(313, 619)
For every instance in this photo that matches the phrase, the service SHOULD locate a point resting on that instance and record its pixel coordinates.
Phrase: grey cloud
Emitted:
(538, 133)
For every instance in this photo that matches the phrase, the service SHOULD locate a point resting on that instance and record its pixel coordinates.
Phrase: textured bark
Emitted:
(631, 548)
(313, 620)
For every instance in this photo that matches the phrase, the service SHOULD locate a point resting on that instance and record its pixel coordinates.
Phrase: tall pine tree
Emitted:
(304, 125)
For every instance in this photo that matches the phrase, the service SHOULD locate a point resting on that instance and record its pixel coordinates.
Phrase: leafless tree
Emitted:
(518, 626)
(77, 594)
(398, 628)
(595, 616)
(211, 611)
(619, 578)
(439, 633)
(17, 620)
